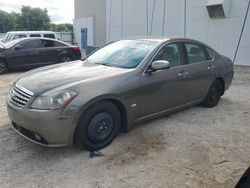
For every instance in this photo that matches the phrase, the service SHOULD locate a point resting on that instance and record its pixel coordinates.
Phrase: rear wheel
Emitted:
(98, 126)
(214, 94)
(3, 66)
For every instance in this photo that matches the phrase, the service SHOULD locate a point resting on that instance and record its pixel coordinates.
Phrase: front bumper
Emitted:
(43, 127)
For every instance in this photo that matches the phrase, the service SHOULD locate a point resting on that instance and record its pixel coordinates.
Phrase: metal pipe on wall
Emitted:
(241, 33)
(122, 20)
(164, 14)
(185, 17)
(152, 18)
(110, 18)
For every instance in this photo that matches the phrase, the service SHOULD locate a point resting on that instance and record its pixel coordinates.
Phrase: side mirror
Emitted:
(17, 47)
(160, 65)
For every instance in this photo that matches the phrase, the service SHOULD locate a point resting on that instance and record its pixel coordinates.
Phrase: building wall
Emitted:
(86, 10)
(181, 18)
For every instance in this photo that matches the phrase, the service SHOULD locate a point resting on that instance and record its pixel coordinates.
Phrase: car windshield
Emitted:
(124, 53)
(12, 43)
(4, 39)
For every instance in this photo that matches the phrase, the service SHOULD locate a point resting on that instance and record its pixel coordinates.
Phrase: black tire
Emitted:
(3, 66)
(65, 59)
(98, 126)
(213, 95)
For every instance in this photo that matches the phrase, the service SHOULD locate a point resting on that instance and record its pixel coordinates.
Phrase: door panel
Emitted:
(48, 52)
(164, 89)
(201, 70)
(26, 55)
(20, 58)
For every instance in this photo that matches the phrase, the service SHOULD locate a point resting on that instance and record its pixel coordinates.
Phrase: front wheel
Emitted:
(213, 95)
(98, 126)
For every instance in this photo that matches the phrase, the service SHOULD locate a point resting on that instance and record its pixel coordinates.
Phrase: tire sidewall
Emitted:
(81, 133)
(5, 66)
(218, 86)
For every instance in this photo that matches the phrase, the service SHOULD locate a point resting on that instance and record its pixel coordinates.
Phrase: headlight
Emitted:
(56, 100)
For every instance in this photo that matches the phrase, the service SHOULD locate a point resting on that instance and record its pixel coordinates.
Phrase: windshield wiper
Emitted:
(110, 65)
(105, 64)
(85, 60)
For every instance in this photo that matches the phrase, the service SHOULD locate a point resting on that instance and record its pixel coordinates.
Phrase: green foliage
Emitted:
(6, 21)
(30, 19)
(65, 27)
(34, 18)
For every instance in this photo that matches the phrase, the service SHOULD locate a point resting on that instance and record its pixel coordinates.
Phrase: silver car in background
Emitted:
(123, 83)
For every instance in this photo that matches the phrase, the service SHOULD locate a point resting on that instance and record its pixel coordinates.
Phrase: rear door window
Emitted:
(48, 43)
(210, 53)
(31, 44)
(59, 44)
(195, 53)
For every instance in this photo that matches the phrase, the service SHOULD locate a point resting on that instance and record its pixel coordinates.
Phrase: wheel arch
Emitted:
(117, 102)
(65, 55)
(222, 81)
(5, 61)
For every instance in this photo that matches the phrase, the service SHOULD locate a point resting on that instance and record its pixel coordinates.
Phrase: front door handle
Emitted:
(183, 74)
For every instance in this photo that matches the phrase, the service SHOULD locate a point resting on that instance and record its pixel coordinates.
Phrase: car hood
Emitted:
(47, 78)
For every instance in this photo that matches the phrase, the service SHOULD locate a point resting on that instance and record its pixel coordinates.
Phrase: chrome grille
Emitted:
(19, 96)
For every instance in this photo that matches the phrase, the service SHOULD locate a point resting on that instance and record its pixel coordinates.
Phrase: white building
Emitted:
(222, 24)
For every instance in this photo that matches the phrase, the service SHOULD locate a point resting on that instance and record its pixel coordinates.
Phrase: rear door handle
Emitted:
(211, 67)
(183, 74)
(35, 52)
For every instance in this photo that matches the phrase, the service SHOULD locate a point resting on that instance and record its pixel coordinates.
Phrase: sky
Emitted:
(60, 11)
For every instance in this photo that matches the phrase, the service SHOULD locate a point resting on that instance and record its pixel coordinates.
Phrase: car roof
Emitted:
(29, 32)
(162, 39)
(44, 38)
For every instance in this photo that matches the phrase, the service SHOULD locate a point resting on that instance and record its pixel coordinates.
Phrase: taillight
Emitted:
(76, 48)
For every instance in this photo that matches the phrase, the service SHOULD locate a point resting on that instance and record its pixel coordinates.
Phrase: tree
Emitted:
(65, 27)
(6, 22)
(34, 18)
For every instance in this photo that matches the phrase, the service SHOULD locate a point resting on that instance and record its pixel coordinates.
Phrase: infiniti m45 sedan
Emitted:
(89, 101)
